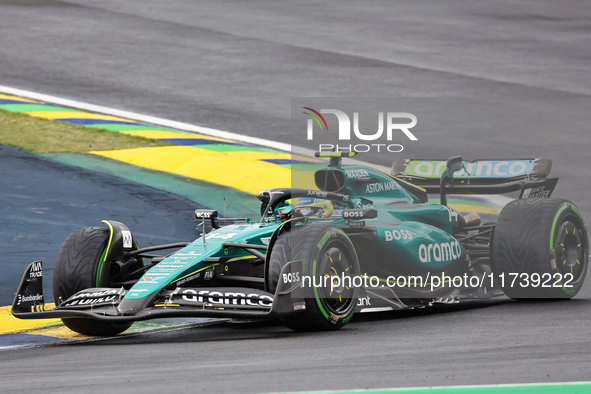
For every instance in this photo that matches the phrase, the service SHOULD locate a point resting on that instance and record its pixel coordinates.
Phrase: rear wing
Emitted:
(490, 176)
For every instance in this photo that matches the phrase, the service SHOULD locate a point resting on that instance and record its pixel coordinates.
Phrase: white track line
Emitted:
(460, 388)
(144, 118)
(172, 124)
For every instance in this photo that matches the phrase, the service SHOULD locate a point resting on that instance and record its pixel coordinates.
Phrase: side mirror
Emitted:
(454, 164)
(205, 214)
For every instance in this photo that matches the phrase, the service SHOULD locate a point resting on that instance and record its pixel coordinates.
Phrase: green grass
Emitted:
(45, 136)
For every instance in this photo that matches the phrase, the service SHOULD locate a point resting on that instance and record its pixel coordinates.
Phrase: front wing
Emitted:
(104, 303)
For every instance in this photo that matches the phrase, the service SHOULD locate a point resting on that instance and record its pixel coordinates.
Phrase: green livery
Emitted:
(363, 241)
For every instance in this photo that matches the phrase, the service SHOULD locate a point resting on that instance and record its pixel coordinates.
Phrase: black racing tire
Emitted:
(323, 250)
(77, 267)
(540, 238)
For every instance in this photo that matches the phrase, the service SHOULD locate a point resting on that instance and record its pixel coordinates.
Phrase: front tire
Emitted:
(324, 251)
(545, 239)
(78, 266)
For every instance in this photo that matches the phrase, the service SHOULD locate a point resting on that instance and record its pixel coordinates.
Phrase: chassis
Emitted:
(383, 227)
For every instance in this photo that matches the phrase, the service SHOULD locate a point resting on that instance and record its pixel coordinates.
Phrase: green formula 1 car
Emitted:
(364, 241)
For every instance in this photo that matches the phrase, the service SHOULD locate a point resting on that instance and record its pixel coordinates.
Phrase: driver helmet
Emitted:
(313, 208)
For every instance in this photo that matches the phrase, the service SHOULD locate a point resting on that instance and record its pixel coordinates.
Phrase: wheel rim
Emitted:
(338, 298)
(570, 250)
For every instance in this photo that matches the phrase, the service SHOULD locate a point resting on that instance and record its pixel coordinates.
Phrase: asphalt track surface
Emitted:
(42, 202)
(234, 66)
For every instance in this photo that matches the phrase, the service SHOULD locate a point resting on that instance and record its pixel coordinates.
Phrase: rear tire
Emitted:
(543, 239)
(323, 250)
(77, 267)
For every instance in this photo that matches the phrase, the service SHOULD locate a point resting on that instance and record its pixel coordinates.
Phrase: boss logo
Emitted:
(360, 213)
(292, 277)
(352, 214)
(397, 235)
(205, 214)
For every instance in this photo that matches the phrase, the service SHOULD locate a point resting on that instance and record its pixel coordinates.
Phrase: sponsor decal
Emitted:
(357, 173)
(304, 201)
(361, 205)
(191, 253)
(220, 235)
(480, 169)
(208, 274)
(226, 298)
(537, 192)
(317, 193)
(205, 214)
(31, 298)
(36, 270)
(379, 187)
(266, 240)
(188, 279)
(170, 265)
(323, 240)
(91, 301)
(95, 294)
(166, 271)
(151, 279)
(292, 277)
(446, 251)
(93, 298)
(127, 239)
(364, 301)
(397, 235)
(353, 213)
(136, 292)
(360, 223)
(359, 213)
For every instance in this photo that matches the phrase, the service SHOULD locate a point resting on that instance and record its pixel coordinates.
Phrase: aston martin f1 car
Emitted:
(363, 241)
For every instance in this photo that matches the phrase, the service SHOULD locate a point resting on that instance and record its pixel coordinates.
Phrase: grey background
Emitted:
(235, 66)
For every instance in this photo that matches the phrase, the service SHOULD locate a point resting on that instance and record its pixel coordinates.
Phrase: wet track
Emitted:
(488, 343)
(42, 202)
(235, 66)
